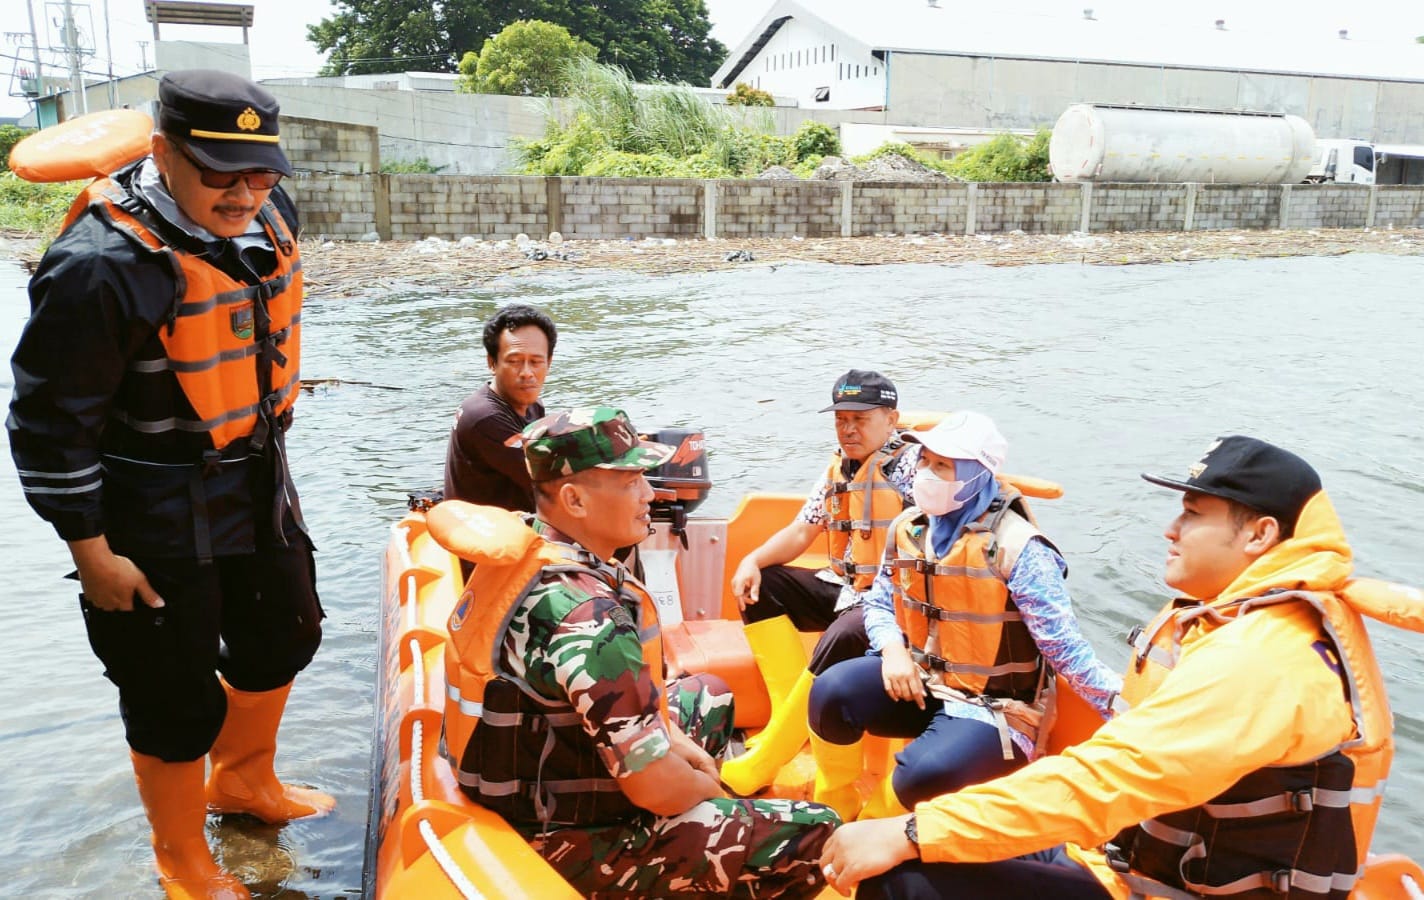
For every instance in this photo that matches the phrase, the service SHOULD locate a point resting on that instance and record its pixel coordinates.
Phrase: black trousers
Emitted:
(255, 618)
(1049, 874)
(810, 603)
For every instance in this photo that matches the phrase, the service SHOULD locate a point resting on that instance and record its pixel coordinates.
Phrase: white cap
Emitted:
(966, 435)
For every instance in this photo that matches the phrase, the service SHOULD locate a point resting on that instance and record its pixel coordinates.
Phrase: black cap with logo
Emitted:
(1270, 480)
(227, 122)
(859, 389)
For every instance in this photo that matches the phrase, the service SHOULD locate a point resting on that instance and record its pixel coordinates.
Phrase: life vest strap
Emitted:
(514, 786)
(940, 614)
(940, 664)
(922, 566)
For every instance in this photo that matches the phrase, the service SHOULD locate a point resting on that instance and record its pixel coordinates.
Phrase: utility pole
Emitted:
(39, 66)
(109, 52)
(71, 46)
(143, 50)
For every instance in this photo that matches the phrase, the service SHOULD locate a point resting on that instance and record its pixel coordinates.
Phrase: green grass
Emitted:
(35, 208)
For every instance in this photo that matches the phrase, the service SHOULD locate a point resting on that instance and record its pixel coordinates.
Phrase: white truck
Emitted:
(1355, 161)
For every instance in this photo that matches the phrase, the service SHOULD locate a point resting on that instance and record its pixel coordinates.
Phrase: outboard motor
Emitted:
(682, 483)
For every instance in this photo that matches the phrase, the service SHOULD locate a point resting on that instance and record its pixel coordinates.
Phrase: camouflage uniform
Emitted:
(574, 641)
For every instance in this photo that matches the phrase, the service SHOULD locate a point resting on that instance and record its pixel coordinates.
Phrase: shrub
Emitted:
(744, 94)
(816, 139)
(10, 135)
(1005, 157)
(419, 166)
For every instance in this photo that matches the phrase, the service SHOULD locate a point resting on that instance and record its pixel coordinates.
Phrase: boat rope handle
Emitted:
(437, 850)
(1411, 887)
(447, 864)
(417, 662)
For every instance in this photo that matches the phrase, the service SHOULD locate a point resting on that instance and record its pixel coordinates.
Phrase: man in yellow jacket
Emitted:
(1253, 746)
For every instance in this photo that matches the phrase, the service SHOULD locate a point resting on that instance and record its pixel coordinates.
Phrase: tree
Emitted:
(654, 40)
(10, 135)
(744, 94)
(527, 57)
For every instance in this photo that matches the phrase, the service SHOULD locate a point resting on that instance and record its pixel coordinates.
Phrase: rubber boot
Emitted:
(837, 770)
(172, 795)
(882, 803)
(243, 780)
(780, 655)
(776, 745)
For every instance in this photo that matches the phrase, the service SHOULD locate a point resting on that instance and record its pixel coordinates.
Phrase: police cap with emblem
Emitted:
(226, 122)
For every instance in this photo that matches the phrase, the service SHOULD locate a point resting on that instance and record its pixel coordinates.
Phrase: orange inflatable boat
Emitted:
(426, 839)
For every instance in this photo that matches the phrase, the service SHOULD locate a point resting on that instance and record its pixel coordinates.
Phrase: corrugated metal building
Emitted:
(929, 65)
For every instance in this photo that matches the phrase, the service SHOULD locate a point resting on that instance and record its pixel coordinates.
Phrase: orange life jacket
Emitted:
(515, 751)
(1301, 830)
(858, 513)
(961, 623)
(234, 348)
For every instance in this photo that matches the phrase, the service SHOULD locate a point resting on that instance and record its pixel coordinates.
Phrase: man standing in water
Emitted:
(573, 735)
(154, 385)
(484, 463)
(1254, 749)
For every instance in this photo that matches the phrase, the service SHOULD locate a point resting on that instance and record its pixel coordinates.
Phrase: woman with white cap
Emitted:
(970, 619)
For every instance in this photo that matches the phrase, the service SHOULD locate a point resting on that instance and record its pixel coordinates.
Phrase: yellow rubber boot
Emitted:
(837, 770)
(779, 654)
(776, 745)
(882, 803)
(243, 780)
(172, 795)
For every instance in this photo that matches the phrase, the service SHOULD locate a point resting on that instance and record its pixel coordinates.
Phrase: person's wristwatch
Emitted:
(912, 833)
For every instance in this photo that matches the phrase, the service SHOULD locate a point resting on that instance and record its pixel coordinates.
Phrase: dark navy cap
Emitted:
(857, 390)
(1272, 481)
(227, 122)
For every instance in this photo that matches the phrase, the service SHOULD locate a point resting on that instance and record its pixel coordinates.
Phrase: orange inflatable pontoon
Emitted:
(426, 839)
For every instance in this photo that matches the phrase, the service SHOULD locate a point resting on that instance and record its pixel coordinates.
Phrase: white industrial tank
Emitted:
(1129, 143)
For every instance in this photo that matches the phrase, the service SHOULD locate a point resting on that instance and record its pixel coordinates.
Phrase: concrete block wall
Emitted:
(342, 207)
(484, 206)
(899, 208)
(1399, 206)
(1223, 206)
(778, 208)
(609, 209)
(316, 145)
(1031, 208)
(412, 207)
(1327, 206)
(1138, 207)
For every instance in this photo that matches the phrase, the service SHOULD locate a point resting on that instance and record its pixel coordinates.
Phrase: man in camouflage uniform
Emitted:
(575, 641)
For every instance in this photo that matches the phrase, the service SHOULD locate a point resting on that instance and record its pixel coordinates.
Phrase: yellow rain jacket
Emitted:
(1244, 693)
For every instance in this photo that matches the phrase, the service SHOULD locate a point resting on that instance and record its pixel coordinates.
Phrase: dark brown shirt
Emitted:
(485, 462)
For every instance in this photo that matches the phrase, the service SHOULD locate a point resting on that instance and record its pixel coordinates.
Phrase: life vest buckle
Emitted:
(1303, 801)
(1281, 881)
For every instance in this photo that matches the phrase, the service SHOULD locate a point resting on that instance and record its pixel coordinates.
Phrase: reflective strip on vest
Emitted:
(173, 423)
(262, 291)
(152, 366)
(856, 524)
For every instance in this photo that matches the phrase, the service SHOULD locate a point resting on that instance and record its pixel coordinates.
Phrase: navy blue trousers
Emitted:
(1049, 874)
(946, 753)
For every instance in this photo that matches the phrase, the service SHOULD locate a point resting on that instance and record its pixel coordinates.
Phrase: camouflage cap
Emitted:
(594, 437)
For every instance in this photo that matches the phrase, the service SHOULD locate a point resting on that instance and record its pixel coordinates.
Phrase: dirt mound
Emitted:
(894, 167)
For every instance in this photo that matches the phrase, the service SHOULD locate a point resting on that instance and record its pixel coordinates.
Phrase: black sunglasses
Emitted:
(257, 179)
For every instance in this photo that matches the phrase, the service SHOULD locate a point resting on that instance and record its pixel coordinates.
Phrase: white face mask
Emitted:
(938, 497)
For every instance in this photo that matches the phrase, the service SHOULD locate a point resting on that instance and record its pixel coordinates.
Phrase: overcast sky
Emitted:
(280, 48)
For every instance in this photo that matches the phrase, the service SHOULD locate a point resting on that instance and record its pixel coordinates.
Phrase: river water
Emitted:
(1094, 374)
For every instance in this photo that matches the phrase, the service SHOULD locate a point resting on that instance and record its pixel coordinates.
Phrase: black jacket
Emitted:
(97, 301)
